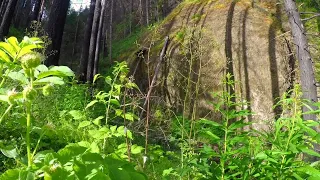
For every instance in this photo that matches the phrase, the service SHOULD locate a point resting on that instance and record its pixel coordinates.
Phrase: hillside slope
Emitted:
(210, 38)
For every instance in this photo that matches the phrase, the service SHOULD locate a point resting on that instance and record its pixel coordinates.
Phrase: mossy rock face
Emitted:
(208, 36)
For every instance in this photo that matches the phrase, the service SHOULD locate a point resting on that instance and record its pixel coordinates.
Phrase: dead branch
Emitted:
(156, 72)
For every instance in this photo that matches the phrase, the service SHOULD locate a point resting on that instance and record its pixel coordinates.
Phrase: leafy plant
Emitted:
(23, 66)
(226, 150)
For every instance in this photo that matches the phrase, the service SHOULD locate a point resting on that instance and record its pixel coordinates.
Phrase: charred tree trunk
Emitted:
(308, 85)
(7, 18)
(86, 44)
(3, 8)
(36, 10)
(104, 33)
(110, 30)
(40, 11)
(93, 40)
(96, 56)
(55, 27)
(147, 12)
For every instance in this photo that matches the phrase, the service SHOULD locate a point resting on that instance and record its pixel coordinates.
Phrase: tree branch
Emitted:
(314, 16)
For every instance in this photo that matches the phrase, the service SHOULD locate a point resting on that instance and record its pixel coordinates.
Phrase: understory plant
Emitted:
(230, 149)
(23, 80)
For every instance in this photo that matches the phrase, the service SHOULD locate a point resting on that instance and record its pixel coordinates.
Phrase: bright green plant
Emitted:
(22, 65)
(119, 109)
(290, 143)
(81, 160)
(229, 150)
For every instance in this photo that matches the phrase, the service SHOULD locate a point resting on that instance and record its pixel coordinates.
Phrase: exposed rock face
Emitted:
(210, 38)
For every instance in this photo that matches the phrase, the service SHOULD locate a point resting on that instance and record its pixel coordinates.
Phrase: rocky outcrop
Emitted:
(210, 38)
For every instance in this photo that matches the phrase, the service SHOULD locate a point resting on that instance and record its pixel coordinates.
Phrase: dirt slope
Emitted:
(222, 33)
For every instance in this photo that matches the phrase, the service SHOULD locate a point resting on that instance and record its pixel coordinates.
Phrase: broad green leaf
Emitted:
(4, 57)
(16, 174)
(115, 102)
(261, 155)
(117, 173)
(97, 175)
(53, 80)
(91, 103)
(129, 134)
(42, 68)
(84, 124)
(100, 134)
(167, 172)
(209, 122)
(307, 129)
(130, 116)
(4, 98)
(13, 41)
(94, 147)
(96, 77)
(97, 121)
(10, 152)
(27, 49)
(18, 76)
(77, 115)
(213, 136)
(108, 80)
(63, 69)
(72, 150)
(40, 156)
(137, 176)
(305, 149)
(50, 73)
(135, 149)
(310, 171)
(297, 176)
(7, 48)
(237, 124)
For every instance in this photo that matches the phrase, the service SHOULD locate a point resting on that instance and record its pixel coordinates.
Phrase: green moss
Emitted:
(121, 48)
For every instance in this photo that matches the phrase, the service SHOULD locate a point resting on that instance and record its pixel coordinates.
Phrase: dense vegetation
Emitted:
(53, 129)
(54, 126)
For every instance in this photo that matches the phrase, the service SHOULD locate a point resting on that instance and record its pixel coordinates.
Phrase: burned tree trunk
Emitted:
(110, 30)
(303, 54)
(86, 44)
(36, 10)
(55, 27)
(7, 18)
(97, 52)
(93, 40)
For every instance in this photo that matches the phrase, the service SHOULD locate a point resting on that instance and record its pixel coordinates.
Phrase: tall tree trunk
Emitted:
(3, 8)
(104, 47)
(130, 16)
(86, 44)
(41, 11)
(97, 53)
(55, 27)
(309, 88)
(93, 40)
(36, 10)
(147, 12)
(7, 18)
(110, 30)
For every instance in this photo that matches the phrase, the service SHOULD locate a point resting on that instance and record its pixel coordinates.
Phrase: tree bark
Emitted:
(93, 40)
(110, 31)
(3, 8)
(55, 27)
(36, 10)
(308, 84)
(7, 18)
(97, 53)
(41, 11)
(86, 44)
